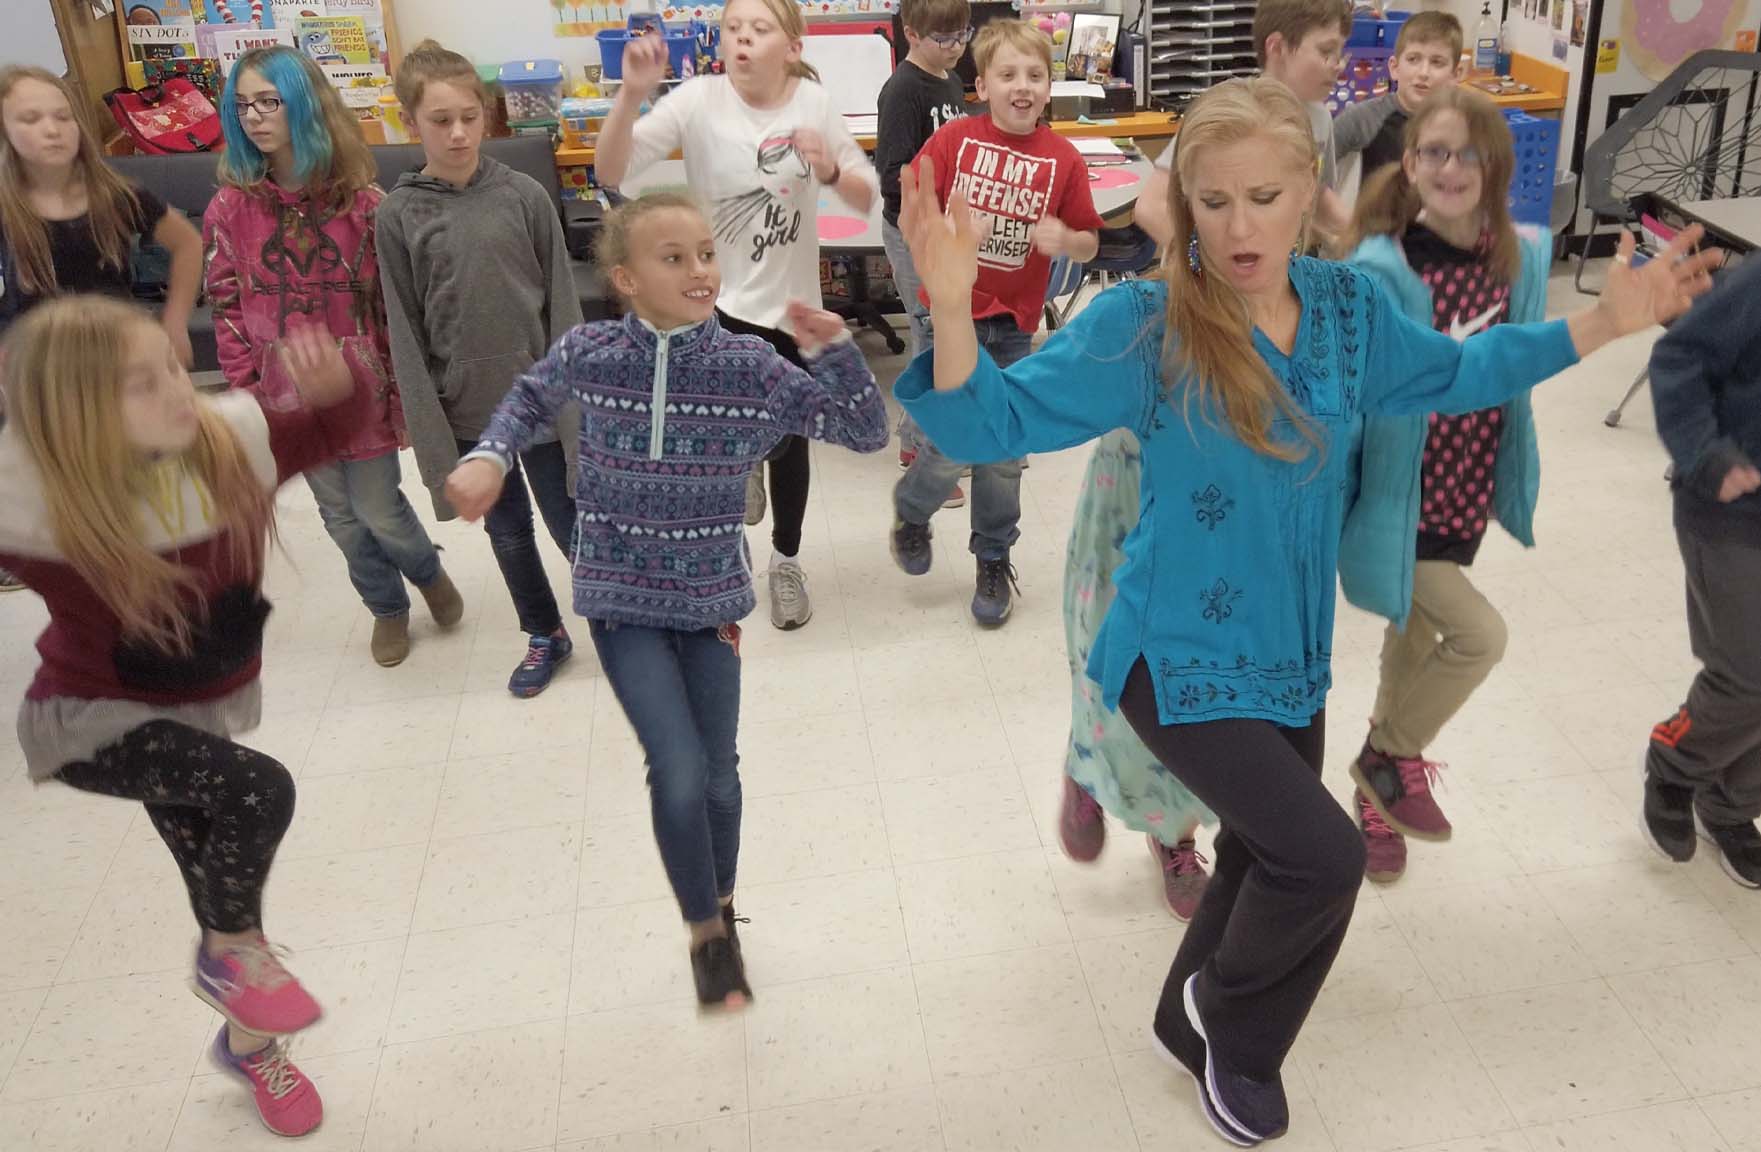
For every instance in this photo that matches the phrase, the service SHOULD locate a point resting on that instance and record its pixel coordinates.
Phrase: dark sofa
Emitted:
(188, 182)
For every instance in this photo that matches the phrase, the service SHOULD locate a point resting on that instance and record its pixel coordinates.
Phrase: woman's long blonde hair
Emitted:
(111, 203)
(787, 14)
(1389, 202)
(64, 366)
(1210, 331)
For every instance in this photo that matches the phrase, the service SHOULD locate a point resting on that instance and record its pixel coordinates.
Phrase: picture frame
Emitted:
(1094, 39)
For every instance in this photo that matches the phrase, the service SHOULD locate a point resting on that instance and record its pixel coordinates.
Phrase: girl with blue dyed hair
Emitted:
(290, 244)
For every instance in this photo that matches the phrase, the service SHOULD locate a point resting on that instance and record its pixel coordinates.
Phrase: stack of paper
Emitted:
(1098, 151)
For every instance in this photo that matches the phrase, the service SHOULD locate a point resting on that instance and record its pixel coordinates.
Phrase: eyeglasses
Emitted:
(1438, 157)
(950, 40)
(262, 106)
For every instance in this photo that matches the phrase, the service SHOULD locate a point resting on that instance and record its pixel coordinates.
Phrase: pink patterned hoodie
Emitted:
(269, 269)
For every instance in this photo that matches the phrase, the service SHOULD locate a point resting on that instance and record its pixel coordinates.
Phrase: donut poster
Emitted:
(1657, 39)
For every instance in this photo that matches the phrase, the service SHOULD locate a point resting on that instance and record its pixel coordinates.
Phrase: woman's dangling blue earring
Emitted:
(1192, 260)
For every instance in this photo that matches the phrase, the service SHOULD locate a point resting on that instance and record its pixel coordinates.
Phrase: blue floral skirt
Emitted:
(1106, 758)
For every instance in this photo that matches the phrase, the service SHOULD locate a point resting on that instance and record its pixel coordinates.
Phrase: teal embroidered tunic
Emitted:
(1228, 586)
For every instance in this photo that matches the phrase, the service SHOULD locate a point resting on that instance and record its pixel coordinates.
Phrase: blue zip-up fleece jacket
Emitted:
(1228, 586)
(1706, 388)
(671, 425)
(1379, 547)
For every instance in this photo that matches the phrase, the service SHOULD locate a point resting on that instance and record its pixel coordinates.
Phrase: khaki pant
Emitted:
(1453, 640)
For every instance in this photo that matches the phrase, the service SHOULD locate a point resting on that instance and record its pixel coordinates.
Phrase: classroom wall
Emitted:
(494, 33)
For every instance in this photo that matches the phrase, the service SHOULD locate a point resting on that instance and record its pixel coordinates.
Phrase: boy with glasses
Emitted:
(1301, 44)
(922, 95)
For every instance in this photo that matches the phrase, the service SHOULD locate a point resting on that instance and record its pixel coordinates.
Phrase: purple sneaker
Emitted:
(1082, 830)
(1384, 848)
(1183, 877)
(544, 654)
(1400, 789)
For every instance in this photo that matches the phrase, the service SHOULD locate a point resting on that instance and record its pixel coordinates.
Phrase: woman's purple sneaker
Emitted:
(1183, 876)
(1082, 830)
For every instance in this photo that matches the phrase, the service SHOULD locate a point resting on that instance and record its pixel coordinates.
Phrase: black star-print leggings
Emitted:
(220, 807)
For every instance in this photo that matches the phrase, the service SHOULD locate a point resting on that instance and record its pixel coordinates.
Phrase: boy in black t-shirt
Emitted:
(1427, 59)
(922, 95)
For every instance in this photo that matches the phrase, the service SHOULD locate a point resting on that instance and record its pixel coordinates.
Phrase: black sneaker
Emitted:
(1253, 1110)
(1174, 1040)
(994, 598)
(1669, 818)
(720, 975)
(911, 551)
(1739, 850)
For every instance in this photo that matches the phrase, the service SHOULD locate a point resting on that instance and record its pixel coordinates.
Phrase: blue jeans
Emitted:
(681, 692)
(377, 531)
(996, 488)
(509, 524)
(906, 280)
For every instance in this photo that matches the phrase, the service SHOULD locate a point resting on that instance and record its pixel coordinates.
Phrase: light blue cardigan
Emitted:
(1379, 545)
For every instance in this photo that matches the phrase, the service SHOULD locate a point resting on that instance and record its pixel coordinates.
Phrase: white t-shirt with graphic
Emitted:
(761, 195)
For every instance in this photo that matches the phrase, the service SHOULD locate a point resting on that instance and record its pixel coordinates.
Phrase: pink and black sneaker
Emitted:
(247, 984)
(1183, 877)
(1400, 789)
(1384, 848)
(1082, 830)
(288, 1102)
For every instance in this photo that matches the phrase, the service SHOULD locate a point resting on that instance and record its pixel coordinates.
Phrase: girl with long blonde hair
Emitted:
(1242, 375)
(68, 222)
(141, 513)
(1435, 231)
(290, 239)
(759, 144)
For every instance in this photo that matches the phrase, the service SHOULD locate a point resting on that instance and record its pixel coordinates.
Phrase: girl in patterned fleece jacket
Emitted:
(676, 412)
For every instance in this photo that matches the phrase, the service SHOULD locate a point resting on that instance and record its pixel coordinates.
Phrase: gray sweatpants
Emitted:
(1713, 744)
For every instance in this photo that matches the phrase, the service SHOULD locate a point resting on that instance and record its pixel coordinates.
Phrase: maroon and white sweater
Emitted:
(85, 655)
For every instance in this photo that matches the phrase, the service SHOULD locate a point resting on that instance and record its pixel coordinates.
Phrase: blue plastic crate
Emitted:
(1537, 162)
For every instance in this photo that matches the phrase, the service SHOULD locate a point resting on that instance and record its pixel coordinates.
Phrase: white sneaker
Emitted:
(790, 606)
(755, 496)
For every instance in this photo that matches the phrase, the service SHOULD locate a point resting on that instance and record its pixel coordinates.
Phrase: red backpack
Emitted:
(164, 119)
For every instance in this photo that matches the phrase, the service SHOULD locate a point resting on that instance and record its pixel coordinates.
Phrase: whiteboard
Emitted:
(31, 37)
(853, 67)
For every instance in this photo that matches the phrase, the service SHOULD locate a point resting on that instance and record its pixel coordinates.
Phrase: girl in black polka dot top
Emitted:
(1436, 231)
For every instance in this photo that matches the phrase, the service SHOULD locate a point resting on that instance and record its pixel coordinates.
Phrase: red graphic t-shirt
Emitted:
(1012, 182)
(1461, 452)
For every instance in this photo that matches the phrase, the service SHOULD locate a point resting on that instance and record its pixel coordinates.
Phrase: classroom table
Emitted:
(1736, 222)
(842, 232)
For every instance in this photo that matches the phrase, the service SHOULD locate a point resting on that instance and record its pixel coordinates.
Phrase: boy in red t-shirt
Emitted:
(1031, 187)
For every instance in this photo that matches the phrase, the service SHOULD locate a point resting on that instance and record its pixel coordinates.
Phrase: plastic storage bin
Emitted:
(1537, 161)
(1367, 51)
(680, 50)
(532, 90)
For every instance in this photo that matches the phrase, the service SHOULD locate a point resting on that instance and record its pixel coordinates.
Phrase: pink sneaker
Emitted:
(1183, 877)
(247, 985)
(1401, 792)
(1082, 830)
(1384, 848)
(286, 1100)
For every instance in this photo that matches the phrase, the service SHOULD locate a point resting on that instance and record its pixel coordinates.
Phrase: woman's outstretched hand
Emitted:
(943, 243)
(1636, 298)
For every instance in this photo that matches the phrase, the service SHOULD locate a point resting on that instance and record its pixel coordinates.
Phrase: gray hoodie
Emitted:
(477, 289)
